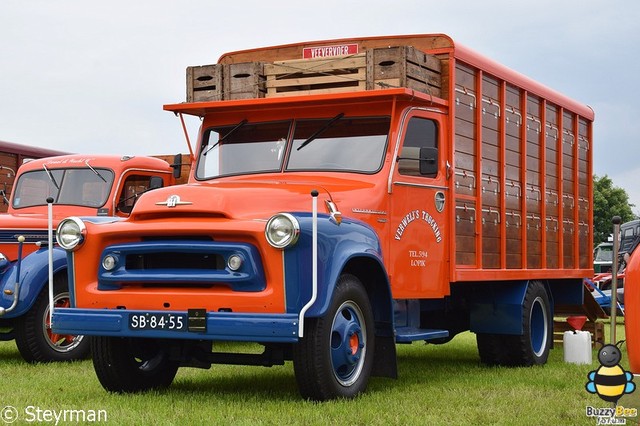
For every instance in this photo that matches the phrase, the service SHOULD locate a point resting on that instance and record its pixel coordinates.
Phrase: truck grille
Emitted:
(182, 263)
(174, 260)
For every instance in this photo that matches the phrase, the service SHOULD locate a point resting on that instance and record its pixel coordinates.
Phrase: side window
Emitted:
(419, 154)
(134, 186)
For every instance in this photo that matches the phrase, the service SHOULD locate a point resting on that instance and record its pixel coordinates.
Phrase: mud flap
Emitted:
(497, 309)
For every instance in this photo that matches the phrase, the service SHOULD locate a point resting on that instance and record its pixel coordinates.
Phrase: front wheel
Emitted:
(34, 338)
(132, 365)
(530, 348)
(335, 356)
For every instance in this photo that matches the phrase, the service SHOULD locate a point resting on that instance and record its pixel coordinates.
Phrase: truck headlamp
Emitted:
(71, 233)
(282, 230)
(109, 262)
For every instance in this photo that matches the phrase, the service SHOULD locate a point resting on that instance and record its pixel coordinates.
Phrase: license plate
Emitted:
(168, 322)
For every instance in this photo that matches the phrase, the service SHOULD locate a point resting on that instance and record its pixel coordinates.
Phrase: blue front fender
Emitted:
(34, 275)
(337, 246)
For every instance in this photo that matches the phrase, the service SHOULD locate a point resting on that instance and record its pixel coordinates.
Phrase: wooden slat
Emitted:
(316, 65)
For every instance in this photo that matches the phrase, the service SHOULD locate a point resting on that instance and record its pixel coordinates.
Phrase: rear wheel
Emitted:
(335, 356)
(34, 338)
(132, 365)
(530, 348)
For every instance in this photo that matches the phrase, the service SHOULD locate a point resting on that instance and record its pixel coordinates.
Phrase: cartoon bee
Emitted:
(610, 381)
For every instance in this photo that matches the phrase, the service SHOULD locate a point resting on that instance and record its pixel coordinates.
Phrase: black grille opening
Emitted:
(175, 260)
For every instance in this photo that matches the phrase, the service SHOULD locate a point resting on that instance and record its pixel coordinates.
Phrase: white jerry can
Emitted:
(577, 347)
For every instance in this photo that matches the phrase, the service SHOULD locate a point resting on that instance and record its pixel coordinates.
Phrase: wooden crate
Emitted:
(596, 328)
(316, 76)
(245, 80)
(204, 83)
(404, 66)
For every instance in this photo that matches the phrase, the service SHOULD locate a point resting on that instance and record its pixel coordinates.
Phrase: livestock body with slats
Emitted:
(522, 167)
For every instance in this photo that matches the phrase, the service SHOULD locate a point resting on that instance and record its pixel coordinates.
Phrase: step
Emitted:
(411, 334)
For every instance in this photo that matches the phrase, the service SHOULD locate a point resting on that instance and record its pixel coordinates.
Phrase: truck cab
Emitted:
(603, 258)
(84, 185)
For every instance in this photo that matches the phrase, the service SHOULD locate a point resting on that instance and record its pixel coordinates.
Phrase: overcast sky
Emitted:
(92, 77)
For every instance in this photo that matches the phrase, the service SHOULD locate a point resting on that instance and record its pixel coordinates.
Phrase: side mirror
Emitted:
(177, 166)
(429, 161)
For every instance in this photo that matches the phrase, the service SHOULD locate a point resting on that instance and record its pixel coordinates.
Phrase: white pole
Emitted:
(50, 251)
(314, 262)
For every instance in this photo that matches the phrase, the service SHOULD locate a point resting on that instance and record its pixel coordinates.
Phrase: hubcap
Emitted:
(62, 343)
(348, 343)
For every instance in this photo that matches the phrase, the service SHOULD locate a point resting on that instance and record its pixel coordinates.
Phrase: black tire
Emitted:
(34, 338)
(491, 348)
(530, 348)
(127, 365)
(335, 356)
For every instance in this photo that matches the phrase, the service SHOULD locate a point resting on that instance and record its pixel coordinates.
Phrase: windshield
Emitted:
(327, 144)
(604, 254)
(80, 187)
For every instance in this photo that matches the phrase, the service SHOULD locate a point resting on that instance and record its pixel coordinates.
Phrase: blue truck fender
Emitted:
(352, 247)
(34, 275)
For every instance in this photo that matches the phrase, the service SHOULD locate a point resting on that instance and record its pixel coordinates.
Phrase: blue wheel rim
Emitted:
(348, 343)
(539, 327)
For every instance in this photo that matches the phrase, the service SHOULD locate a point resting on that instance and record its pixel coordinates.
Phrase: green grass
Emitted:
(438, 384)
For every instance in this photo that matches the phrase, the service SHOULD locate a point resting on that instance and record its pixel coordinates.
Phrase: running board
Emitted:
(411, 334)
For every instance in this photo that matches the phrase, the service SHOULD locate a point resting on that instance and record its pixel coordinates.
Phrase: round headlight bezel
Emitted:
(71, 233)
(109, 262)
(282, 230)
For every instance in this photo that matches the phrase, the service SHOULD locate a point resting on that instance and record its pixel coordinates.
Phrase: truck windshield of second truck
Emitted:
(85, 187)
(341, 144)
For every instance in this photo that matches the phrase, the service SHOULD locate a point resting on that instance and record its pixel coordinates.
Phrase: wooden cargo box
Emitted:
(316, 76)
(204, 83)
(404, 66)
(244, 81)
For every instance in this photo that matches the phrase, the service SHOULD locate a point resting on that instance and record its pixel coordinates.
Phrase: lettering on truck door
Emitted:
(419, 237)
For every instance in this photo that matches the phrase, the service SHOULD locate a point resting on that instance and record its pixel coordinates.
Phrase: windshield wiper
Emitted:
(51, 178)
(95, 171)
(320, 131)
(229, 133)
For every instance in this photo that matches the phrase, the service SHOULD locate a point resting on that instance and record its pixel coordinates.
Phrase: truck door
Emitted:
(419, 235)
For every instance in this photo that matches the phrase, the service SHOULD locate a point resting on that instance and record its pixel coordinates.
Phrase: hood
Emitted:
(244, 199)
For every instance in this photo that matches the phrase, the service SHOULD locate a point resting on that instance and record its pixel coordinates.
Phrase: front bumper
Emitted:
(229, 326)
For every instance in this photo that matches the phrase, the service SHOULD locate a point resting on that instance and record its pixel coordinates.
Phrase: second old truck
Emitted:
(97, 185)
(348, 195)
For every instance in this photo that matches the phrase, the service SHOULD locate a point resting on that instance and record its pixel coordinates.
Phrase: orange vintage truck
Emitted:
(348, 195)
(95, 185)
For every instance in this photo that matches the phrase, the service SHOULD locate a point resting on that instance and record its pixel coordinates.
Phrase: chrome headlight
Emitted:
(109, 262)
(282, 230)
(71, 233)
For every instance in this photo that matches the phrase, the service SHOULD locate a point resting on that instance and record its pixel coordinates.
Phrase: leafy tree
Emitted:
(608, 201)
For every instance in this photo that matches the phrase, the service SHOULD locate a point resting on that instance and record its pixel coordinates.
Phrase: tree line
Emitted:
(608, 201)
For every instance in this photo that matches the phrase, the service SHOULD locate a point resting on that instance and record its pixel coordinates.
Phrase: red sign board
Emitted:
(328, 51)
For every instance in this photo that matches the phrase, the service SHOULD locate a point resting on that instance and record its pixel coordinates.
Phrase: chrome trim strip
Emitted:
(421, 185)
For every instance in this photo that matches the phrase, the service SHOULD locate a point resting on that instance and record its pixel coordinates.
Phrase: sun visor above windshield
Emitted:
(384, 95)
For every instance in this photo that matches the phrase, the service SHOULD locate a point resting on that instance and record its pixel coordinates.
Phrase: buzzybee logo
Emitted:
(610, 381)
